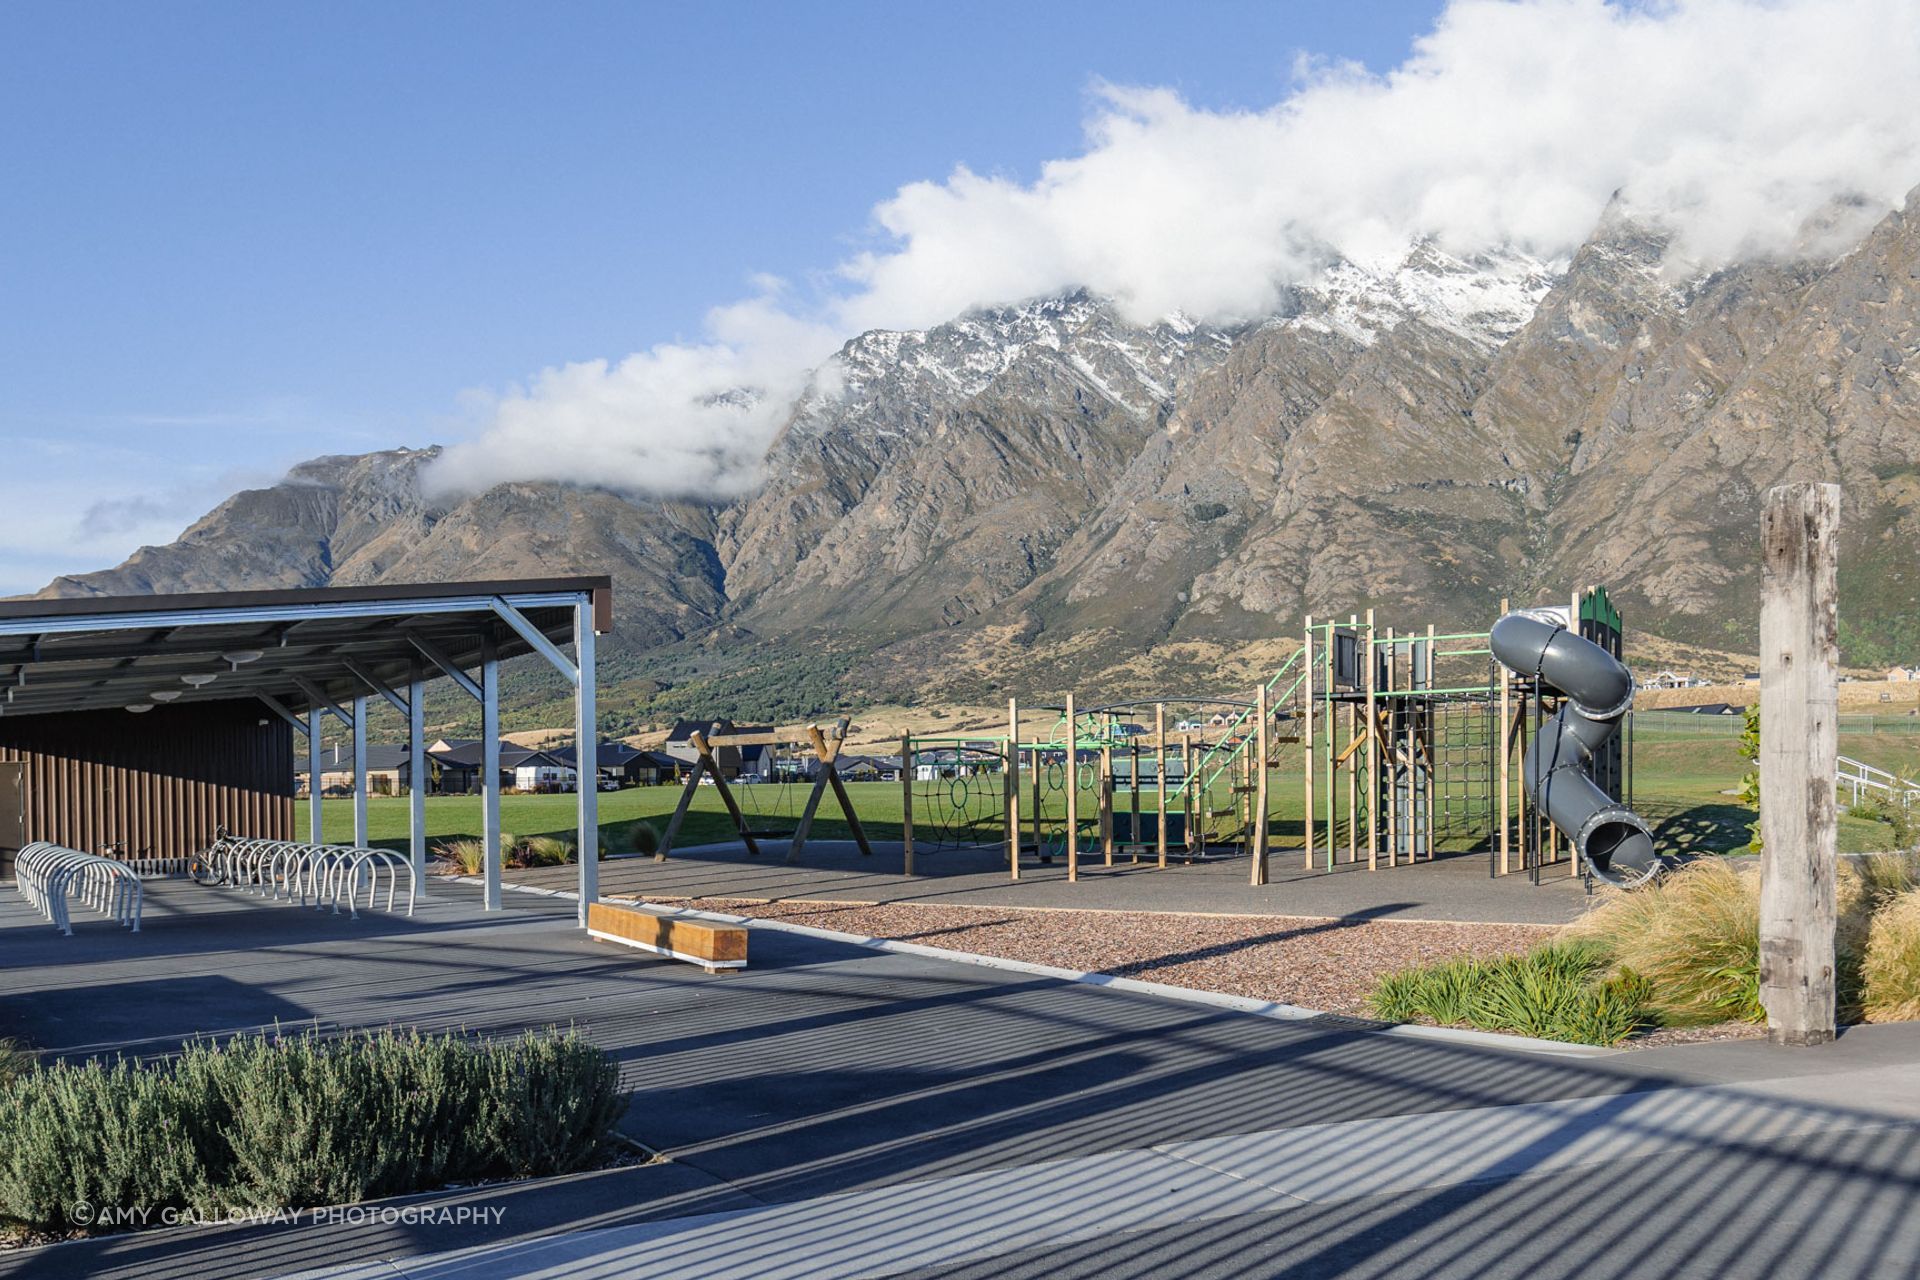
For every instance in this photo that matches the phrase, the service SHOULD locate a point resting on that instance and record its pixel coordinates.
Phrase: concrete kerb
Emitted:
(1188, 995)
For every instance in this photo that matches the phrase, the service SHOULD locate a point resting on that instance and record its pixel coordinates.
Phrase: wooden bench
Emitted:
(713, 946)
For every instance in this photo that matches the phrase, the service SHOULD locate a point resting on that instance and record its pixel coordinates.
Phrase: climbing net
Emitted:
(959, 797)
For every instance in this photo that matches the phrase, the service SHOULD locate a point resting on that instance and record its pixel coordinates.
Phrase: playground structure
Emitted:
(1393, 745)
(1559, 766)
(796, 741)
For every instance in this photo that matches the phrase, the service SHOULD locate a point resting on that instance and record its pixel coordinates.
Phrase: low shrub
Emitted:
(1890, 971)
(299, 1121)
(1559, 991)
(13, 1060)
(645, 838)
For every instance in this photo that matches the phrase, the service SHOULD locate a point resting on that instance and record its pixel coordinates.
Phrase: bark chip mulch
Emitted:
(1324, 964)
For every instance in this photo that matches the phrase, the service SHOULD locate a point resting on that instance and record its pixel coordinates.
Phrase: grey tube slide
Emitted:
(1610, 836)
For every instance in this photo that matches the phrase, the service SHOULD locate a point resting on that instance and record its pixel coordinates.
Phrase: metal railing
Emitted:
(323, 875)
(50, 876)
(1859, 779)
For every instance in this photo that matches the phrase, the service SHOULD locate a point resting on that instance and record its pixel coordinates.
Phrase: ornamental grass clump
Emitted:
(545, 851)
(296, 1121)
(1890, 971)
(1694, 934)
(1559, 991)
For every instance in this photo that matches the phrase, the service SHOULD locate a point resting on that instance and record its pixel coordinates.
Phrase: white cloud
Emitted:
(1737, 122)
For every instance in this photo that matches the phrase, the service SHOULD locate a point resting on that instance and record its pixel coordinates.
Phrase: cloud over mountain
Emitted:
(1748, 129)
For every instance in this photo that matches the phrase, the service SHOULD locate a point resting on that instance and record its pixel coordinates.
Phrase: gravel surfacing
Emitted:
(1325, 964)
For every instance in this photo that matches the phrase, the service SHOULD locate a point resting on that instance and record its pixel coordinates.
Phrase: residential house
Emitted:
(387, 771)
(619, 763)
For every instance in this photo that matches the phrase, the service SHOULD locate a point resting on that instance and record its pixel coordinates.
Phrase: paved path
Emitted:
(862, 1112)
(1452, 888)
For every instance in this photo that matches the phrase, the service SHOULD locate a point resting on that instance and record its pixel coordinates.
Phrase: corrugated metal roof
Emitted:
(107, 651)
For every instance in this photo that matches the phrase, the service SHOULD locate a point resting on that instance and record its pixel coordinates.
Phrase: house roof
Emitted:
(608, 755)
(468, 754)
(381, 757)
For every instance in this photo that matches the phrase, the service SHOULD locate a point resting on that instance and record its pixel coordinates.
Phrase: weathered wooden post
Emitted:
(1259, 814)
(1073, 791)
(1012, 798)
(906, 803)
(1799, 657)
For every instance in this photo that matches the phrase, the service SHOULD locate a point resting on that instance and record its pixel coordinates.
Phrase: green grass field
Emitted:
(1681, 783)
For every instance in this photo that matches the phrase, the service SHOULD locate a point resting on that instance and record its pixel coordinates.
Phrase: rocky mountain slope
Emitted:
(1423, 436)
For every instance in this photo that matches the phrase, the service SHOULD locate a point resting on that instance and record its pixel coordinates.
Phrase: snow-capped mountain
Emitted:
(1424, 434)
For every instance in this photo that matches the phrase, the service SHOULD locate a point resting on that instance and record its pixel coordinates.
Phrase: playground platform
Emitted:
(1451, 887)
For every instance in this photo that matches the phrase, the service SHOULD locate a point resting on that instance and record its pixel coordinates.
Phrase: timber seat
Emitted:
(713, 945)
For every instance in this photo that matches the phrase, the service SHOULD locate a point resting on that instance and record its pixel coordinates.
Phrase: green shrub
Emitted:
(1890, 972)
(13, 1060)
(1558, 991)
(645, 837)
(114, 1135)
(302, 1120)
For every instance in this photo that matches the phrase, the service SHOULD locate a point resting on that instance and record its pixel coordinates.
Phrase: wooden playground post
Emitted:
(1504, 729)
(1039, 832)
(826, 753)
(1073, 792)
(906, 802)
(1160, 781)
(1106, 804)
(701, 745)
(1371, 659)
(1799, 661)
(1391, 751)
(1012, 798)
(1426, 740)
(1186, 790)
(1307, 743)
(1260, 785)
(1134, 842)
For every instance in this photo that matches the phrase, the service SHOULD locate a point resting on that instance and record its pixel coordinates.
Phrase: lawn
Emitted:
(1681, 783)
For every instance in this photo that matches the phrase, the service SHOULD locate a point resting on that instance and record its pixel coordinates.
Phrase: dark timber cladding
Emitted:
(139, 724)
(155, 785)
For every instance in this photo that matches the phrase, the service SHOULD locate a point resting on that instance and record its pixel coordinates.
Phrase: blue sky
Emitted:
(236, 235)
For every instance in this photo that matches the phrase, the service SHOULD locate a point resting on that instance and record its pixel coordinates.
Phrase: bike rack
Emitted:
(325, 875)
(49, 875)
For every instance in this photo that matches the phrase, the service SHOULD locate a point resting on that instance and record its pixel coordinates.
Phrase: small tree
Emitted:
(1750, 783)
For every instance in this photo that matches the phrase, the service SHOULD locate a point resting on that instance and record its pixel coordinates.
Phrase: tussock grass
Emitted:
(544, 851)
(1890, 972)
(300, 1121)
(468, 855)
(1694, 935)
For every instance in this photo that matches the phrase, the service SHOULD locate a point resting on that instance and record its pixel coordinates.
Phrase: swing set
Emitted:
(792, 745)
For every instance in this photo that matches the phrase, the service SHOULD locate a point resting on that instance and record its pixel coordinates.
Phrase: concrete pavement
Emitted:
(1045, 1123)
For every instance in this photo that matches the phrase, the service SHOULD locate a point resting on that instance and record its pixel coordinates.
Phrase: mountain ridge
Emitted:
(1426, 439)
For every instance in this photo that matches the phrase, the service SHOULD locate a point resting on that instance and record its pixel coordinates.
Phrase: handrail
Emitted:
(49, 875)
(1857, 776)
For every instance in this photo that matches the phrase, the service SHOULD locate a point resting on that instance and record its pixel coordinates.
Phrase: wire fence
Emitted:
(1729, 726)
